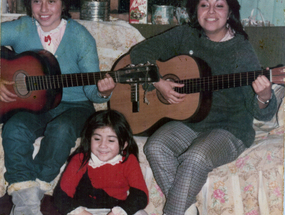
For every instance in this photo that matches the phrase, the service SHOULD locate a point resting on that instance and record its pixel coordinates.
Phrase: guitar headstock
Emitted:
(278, 75)
(141, 73)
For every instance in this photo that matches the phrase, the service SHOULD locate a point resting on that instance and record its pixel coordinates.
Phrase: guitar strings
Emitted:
(127, 74)
(213, 83)
(63, 80)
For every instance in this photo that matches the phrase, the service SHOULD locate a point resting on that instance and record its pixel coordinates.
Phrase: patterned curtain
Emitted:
(272, 10)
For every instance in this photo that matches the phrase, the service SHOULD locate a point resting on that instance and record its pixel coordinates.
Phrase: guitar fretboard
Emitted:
(66, 80)
(218, 82)
(135, 74)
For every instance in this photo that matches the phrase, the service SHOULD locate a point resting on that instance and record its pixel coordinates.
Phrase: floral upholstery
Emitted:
(252, 184)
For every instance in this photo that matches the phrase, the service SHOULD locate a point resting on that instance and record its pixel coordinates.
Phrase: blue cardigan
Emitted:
(77, 52)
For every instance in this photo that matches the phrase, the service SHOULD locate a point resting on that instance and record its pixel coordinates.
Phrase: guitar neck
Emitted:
(134, 74)
(219, 82)
(65, 80)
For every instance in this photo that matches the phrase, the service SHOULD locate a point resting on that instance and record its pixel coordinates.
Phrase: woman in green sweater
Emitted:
(181, 154)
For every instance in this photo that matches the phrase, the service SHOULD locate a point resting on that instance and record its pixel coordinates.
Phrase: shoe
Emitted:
(27, 201)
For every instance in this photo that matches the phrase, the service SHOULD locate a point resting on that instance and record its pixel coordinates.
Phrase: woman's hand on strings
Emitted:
(5, 94)
(106, 85)
(262, 87)
(166, 88)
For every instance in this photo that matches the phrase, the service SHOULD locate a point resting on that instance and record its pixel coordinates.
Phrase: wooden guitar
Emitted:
(39, 82)
(195, 74)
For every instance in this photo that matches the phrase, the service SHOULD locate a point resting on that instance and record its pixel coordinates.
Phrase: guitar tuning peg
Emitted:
(130, 65)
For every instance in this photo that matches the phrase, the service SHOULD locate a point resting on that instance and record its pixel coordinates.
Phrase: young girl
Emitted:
(104, 171)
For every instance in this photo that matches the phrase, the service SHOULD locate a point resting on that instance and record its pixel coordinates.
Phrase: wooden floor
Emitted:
(47, 207)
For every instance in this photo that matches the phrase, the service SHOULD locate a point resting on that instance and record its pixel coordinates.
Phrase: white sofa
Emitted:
(251, 185)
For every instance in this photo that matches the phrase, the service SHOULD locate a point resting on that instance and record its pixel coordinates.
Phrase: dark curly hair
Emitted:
(64, 14)
(114, 120)
(233, 21)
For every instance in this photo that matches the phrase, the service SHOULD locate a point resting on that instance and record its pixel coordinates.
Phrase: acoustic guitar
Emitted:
(195, 74)
(39, 82)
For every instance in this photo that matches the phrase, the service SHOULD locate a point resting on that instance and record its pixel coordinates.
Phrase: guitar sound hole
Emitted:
(20, 86)
(168, 77)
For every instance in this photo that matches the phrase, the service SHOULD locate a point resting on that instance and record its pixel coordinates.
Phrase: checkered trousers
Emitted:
(181, 159)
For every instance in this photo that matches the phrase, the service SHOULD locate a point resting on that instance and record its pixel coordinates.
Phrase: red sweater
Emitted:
(109, 186)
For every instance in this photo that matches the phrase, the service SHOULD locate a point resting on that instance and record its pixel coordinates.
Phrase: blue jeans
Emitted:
(60, 127)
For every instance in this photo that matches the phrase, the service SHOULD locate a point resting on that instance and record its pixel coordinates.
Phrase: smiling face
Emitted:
(213, 16)
(47, 13)
(105, 144)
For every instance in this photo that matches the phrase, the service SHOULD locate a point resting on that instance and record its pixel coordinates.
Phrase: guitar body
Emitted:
(38, 81)
(151, 116)
(16, 68)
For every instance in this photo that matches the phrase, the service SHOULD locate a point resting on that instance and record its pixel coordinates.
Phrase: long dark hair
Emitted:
(114, 120)
(233, 21)
(65, 8)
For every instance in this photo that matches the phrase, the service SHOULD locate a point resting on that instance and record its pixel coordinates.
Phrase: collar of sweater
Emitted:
(57, 29)
(94, 162)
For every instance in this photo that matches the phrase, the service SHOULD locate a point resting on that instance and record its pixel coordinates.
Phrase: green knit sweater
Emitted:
(231, 109)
